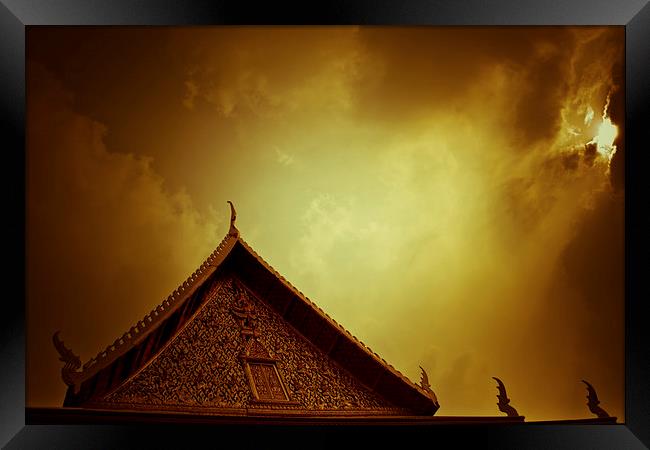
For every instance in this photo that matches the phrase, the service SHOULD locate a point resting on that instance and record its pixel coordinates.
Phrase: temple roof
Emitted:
(127, 354)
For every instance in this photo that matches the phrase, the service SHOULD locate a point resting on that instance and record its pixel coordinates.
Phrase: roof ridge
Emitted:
(330, 319)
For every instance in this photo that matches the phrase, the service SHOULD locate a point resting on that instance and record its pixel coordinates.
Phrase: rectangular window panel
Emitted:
(266, 381)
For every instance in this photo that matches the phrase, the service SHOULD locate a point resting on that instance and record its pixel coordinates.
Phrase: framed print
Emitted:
(423, 219)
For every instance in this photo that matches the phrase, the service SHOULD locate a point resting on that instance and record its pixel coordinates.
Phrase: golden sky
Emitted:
(453, 196)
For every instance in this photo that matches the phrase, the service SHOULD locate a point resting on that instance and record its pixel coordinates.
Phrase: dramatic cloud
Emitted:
(104, 235)
(444, 193)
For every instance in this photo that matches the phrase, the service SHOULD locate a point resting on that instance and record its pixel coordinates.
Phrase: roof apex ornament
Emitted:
(69, 372)
(424, 383)
(233, 231)
(504, 401)
(592, 401)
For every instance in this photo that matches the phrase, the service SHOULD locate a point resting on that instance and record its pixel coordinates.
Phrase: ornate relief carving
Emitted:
(266, 383)
(206, 364)
(255, 350)
(243, 309)
(122, 344)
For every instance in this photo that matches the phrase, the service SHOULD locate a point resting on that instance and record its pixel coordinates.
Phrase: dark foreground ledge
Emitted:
(67, 428)
(70, 416)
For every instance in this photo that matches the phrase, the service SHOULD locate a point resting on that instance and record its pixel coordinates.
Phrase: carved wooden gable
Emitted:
(237, 354)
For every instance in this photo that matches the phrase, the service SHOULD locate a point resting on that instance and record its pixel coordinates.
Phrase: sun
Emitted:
(607, 133)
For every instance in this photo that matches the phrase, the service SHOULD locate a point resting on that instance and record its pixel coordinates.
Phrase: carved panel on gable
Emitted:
(211, 363)
(254, 349)
(266, 382)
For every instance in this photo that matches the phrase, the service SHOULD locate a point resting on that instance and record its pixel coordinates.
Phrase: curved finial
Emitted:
(592, 401)
(69, 372)
(504, 402)
(424, 383)
(233, 216)
(424, 379)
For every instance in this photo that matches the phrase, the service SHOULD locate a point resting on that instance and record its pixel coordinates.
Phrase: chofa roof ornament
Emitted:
(504, 401)
(592, 401)
(69, 373)
(233, 231)
(424, 382)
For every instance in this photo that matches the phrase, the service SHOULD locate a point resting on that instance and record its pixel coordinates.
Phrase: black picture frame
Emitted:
(16, 15)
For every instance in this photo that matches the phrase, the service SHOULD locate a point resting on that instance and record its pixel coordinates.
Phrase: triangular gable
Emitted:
(237, 354)
(342, 363)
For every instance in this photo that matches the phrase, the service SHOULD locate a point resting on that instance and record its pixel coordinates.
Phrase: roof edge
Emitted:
(70, 373)
(419, 389)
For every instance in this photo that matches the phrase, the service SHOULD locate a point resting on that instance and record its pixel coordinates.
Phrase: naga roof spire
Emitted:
(593, 401)
(504, 402)
(233, 216)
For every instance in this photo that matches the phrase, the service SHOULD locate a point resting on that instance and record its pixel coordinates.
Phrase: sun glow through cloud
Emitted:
(607, 133)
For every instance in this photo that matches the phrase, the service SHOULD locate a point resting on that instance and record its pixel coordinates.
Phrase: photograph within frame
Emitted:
(490, 158)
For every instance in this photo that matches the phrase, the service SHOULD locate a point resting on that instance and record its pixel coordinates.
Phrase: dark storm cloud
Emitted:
(537, 114)
(570, 161)
(423, 70)
(98, 235)
(593, 259)
(584, 304)
(133, 82)
(590, 153)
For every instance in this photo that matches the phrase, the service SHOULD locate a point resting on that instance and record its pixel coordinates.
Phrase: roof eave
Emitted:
(158, 315)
